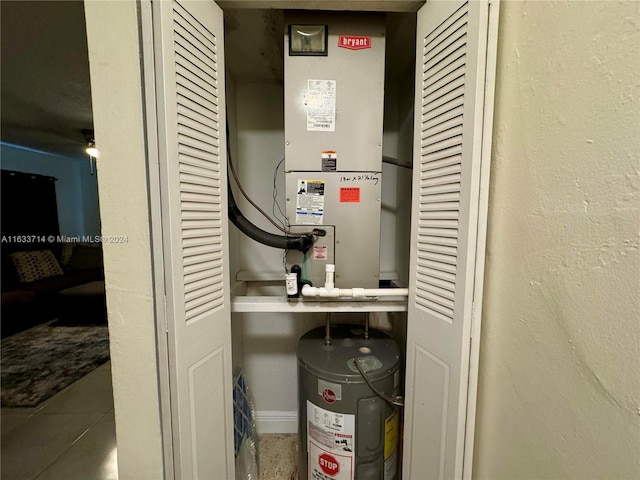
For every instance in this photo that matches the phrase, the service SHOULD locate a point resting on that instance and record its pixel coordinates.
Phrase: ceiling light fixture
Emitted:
(91, 149)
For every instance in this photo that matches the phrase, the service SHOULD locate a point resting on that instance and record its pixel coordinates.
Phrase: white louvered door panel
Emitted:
(451, 57)
(188, 37)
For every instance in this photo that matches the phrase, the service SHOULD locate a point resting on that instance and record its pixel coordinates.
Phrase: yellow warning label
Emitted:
(390, 434)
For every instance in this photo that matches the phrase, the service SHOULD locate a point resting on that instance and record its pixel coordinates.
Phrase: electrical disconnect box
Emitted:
(334, 96)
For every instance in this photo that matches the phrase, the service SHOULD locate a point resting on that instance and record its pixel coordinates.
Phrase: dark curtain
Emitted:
(29, 207)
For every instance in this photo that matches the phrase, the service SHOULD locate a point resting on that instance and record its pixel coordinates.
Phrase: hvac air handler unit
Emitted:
(333, 117)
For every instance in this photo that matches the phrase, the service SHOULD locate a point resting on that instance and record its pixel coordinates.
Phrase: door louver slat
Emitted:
(443, 84)
(438, 269)
(444, 161)
(187, 107)
(189, 156)
(191, 82)
(428, 159)
(437, 189)
(454, 64)
(433, 105)
(191, 127)
(435, 113)
(198, 164)
(438, 232)
(452, 179)
(445, 26)
(443, 117)
(441, 89)
(430, 141)
(196, 34)
(192, 97)
(196, 144)
(201, 268)
(195, 76)
(192, 264)
(185, 59)
(200, 171)
(187, 112)
(441, 215)
(444, 124)
(445, 55)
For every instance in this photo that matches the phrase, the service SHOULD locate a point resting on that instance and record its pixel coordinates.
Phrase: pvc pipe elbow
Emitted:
(308, 291)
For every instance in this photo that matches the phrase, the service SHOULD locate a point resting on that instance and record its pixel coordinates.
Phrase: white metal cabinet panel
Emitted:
(188, 37)
(357, 133)
(352, 222)
(450, 71)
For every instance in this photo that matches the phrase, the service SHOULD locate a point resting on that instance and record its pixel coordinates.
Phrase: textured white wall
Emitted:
(559, 384)
(260, 124)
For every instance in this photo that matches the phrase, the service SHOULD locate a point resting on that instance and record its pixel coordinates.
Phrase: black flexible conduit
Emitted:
(301, 243)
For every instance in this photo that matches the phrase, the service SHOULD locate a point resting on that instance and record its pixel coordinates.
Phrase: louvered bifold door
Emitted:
(188, 37)
(451, 50)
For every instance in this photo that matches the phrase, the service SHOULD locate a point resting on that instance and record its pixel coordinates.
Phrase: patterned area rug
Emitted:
(41, 361)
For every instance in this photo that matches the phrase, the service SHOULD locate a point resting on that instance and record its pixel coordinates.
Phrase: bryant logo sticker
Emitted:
(354, 42)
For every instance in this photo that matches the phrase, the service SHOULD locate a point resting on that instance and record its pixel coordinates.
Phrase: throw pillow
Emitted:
(85, 258)
(32, 266)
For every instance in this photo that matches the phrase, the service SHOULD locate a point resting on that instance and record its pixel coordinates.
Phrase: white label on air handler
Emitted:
(310, 202)
(320, 102)
(330, 444)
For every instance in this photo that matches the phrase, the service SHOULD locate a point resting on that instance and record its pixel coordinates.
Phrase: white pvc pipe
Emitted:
(329, 274)
(329, 290)
(323, 292)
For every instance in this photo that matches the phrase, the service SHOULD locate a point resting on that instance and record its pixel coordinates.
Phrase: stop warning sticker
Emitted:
(325, 465)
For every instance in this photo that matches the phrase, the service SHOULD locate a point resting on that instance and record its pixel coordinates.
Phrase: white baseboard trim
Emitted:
(276, 422)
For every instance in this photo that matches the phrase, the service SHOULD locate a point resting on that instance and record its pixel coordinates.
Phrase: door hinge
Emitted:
(164, 309)
(473, 317)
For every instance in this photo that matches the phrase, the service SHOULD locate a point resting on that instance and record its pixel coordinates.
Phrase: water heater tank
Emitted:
(346, 431)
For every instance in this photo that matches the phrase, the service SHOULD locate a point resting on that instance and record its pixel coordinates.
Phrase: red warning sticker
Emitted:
(350, 194)
(320, 253)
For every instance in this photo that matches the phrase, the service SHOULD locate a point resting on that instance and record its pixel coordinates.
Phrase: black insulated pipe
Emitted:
(301, 243)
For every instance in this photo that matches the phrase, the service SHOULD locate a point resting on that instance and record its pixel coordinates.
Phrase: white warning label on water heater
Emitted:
(324, 465)
(320, 102)
(330, 444)
(310, 202)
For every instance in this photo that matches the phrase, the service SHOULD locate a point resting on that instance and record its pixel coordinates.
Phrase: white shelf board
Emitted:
(251, 276)
(281, 304)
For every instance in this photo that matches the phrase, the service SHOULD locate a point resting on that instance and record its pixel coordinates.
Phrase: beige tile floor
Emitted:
(70, 436)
